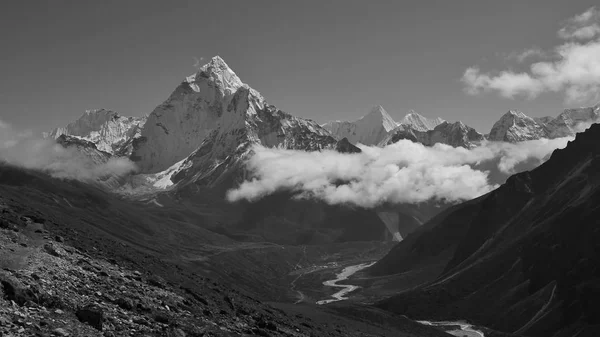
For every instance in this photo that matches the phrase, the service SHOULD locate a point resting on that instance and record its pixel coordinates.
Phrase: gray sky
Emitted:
(316, 59)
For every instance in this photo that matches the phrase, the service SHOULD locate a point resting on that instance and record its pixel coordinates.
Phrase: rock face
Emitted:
(344, 146)
(85, 147)
(368, 130)
(515, 126)
(455, 134)
(109, 131)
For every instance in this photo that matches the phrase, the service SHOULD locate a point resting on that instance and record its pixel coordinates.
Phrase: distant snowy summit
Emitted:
(108, 130)
(368, 130)
(377, 125)
(420, 123)
(514, 126)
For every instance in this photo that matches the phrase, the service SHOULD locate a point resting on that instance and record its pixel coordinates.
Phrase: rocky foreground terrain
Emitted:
(52, 288)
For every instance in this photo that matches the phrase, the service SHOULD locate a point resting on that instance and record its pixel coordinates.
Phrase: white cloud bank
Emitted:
(23, 150)
(404, 172)
(574, 69)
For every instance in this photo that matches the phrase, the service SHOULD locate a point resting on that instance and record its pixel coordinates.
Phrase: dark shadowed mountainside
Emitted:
(524, 258)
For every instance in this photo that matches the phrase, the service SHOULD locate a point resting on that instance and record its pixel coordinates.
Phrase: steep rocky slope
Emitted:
(519, 259)
(109, 131)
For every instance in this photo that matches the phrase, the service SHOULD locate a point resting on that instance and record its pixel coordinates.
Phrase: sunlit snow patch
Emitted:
(163, 179)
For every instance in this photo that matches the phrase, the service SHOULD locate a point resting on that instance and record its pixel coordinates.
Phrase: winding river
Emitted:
(458, 328)
(346, 288)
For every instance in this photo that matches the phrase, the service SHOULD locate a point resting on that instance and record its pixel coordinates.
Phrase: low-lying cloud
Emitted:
(404, 172)
(24, 150)
(571, 68)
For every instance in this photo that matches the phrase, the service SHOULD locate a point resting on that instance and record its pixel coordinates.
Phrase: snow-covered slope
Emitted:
(455, 134)
(369, 129)
(419, 122)
(109, 131)
(515, 126)
(252, 121)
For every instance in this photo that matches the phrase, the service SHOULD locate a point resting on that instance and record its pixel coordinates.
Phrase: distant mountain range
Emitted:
(379, 128)
(201, 135)
(213, 114)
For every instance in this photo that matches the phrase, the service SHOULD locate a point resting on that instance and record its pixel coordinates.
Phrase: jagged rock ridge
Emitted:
(455, 134)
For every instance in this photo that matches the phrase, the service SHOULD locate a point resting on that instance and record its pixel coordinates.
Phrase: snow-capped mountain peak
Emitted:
(211, 119)
(419, 122)
(378, 117)
(515, 126)
(219, 72)
(369, 129)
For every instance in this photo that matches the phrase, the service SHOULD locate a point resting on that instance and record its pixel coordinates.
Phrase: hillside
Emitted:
(76, 260)
(520, 259)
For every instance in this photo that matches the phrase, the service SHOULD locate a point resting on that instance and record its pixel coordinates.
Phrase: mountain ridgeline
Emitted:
(195, 144)
(204, 131)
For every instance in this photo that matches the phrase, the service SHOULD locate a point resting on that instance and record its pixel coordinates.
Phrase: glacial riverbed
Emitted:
(458, 328)
(346, 288)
